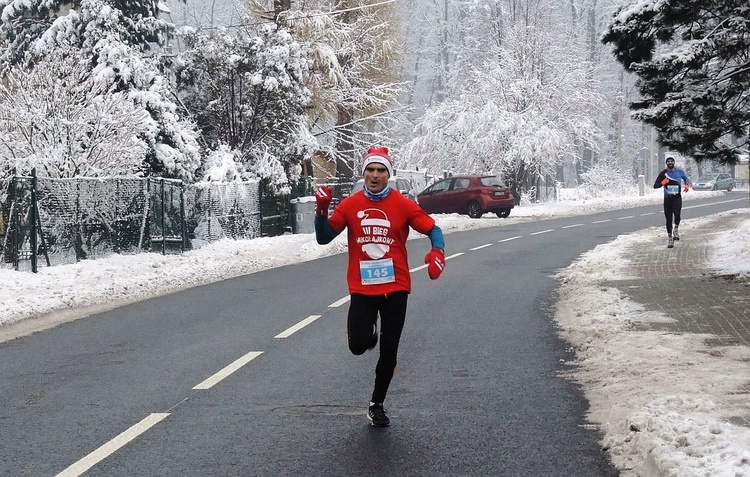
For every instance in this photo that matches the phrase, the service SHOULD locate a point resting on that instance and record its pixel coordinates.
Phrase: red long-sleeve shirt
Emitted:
(377, 233)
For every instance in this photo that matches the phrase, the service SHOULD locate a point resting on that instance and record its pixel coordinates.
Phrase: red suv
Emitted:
(472, 195)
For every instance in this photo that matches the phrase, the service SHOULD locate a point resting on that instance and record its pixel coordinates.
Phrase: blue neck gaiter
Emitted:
(377, 196)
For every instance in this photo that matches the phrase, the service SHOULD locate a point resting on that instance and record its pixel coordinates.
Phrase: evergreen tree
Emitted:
(23, 22)
(692, 60)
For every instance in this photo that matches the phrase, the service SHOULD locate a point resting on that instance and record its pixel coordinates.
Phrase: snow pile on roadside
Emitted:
(661, 400)
(727, 246)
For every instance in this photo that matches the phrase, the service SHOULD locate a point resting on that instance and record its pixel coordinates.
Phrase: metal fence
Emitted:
(58, 221)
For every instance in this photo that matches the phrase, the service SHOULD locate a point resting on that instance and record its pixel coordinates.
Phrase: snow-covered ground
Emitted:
(661, 399)
(702, 444)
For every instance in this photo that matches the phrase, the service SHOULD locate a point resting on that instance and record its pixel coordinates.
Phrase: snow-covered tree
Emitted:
(113, 42)
(222, 165)
(205, 13)
(519, 113)
(23, 22)
(597, 180)
(354, 50)
(55, 119)
(437, 35)
(245, 90)
(692, 59)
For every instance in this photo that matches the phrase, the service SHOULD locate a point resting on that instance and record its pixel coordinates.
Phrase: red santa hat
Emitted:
(379, 155)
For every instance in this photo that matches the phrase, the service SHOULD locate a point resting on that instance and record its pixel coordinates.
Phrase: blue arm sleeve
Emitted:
(436, 238)
(324, 233)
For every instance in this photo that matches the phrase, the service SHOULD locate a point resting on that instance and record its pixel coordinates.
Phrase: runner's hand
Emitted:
(323, 198)
(435, 261)
(664, 181)
(687, 188)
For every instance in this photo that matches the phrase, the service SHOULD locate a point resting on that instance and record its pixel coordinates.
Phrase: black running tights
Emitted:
(672, 208)
(363, 314)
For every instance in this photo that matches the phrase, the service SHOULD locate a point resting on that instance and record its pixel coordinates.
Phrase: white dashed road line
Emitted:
(712, 203)
(626, 217)
(340, 302)
(509, 239)
(112, 446)
(290, 331)
(481, 247)
(542, 232)
(574, 225)
(237, 364)
(601, 221)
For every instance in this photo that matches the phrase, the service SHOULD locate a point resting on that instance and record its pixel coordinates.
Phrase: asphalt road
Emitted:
(215, 381)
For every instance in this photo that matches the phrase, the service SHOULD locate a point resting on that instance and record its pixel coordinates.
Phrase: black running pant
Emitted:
(363, 314)
(672, 209)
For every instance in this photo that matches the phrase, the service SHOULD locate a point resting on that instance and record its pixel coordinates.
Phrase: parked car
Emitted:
(402, 185)
(473, 195)
(719, 181)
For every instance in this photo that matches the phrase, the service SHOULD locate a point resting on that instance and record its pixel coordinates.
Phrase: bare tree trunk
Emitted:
(415, 76)
(344, 145)
(442, 68)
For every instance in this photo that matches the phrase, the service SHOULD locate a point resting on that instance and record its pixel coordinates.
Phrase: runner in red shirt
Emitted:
(378, 220)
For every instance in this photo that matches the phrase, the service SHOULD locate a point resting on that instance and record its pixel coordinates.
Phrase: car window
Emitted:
(461, 183)
(441, 185)
(403, 184)
(491, 181)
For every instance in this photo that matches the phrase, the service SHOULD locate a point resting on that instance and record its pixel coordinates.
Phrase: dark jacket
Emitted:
(677, 179)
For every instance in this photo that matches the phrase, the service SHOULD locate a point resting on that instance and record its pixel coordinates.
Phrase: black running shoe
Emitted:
(675, 234)
(670, 243)
(374, 341)
(378, 416)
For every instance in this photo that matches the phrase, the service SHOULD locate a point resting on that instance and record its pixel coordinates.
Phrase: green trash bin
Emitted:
(303, 215)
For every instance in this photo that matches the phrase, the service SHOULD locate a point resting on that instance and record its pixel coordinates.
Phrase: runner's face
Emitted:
(670, 164)
(376, 177)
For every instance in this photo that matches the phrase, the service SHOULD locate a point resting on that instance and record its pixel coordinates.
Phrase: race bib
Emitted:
(673, 189)
(375, 272)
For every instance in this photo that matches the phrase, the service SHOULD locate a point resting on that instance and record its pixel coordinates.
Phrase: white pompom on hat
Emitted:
(379, 155)
(669, 158)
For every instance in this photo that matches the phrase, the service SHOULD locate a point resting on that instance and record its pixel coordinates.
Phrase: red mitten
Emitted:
(323, 198)
(664, 181)
(687, 188)
(435, 261)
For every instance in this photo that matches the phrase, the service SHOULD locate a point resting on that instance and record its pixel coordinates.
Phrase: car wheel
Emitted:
(715, 188)
(729, 189)
(474, 209)
(503, 213)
